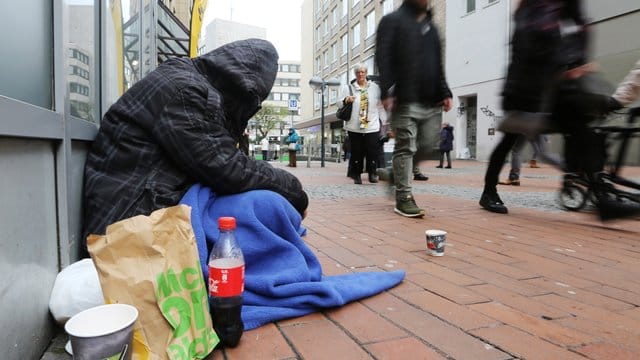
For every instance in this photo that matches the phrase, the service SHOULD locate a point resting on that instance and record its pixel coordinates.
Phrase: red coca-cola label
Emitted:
(226, 281)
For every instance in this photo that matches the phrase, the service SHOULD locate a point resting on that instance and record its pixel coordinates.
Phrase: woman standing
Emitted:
(446, 144)
(364, 125)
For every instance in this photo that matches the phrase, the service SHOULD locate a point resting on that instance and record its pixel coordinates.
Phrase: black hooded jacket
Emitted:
(179, 126)
(409, 58)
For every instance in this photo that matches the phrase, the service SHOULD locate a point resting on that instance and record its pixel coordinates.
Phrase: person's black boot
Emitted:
(491, 201)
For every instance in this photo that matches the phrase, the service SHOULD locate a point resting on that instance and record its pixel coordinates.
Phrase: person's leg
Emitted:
(442, 158)
(292, 158)
(428, 121)
(371, 151)
(490, 199)
(448, 153)
(357, 156)
(516, 161)
(406, 131)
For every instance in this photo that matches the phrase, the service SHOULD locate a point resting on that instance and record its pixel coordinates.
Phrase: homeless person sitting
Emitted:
(179, 126)
(171, 139)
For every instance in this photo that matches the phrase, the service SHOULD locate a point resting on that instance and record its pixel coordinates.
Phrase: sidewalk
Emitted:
(538, 283)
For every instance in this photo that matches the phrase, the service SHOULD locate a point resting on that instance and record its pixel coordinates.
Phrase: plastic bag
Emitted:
(76, 288)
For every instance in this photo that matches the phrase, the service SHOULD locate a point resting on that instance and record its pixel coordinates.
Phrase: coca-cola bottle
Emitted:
(226, 284)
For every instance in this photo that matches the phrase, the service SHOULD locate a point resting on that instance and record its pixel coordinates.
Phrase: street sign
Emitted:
(293, 104)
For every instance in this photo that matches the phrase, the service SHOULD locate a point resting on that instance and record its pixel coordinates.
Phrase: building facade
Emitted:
(70, 60)
(336, 35)
(220, 32)
(477, 55)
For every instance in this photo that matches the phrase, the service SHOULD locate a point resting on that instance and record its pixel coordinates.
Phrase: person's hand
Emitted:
(349, 99)
(390, 134)
(447, 104)
(389, 103)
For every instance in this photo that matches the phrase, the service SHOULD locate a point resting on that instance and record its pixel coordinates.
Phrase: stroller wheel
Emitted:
(572, 197)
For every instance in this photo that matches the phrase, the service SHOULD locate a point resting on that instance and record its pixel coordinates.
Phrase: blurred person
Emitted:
(292, 146)
(549, 39)
(363, 126)
(264, 147)
(628, 91)
(243, 143)
(179, 126)
(539, 148)
(446, 144)
(413, 89)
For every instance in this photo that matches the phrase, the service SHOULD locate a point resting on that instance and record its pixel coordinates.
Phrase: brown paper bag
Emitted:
(151, 262)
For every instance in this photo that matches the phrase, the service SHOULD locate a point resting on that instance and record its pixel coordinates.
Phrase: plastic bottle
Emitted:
(226, 284)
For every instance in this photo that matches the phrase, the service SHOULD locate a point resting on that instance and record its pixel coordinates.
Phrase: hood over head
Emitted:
(243, 72)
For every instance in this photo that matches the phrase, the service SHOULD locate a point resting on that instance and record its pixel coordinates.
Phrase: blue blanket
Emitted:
(283, 277)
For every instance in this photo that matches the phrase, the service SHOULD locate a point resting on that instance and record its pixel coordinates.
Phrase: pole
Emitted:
(322, 126)
(291, 118)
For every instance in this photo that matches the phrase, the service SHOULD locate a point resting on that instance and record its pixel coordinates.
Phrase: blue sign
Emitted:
(293, 104)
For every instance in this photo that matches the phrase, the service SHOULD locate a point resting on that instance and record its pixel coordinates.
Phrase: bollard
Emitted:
(308, 155)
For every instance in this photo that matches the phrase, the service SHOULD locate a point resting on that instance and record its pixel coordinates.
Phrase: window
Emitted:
(294, 96)
(285, 67)
(345, 44)
(334, 52)
(317, 67)
(471, 6)
(316, 100)
(318, 34)
(345, 7)
(371, 24)
(334, 17)
(276, 96)
(325, 26)
(325, 56)
(285, 97)
(369, 62)
(333, 94)
(356, 35)
(387, 7)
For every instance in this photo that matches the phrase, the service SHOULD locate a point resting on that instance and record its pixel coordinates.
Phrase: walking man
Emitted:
(409, 59)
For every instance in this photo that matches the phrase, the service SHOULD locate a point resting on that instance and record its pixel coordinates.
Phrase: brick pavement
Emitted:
(531, 284)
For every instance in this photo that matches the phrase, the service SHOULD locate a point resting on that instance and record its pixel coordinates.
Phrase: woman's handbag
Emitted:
(344, 113)
(293, 146)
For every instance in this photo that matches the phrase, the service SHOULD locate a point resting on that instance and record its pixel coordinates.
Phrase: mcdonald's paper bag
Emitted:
(151, 262)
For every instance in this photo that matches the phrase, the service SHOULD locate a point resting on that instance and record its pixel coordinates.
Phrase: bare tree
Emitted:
(268, 118)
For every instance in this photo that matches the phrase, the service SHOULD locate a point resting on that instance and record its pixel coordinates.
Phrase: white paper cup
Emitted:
(102, 332)
(435, 242)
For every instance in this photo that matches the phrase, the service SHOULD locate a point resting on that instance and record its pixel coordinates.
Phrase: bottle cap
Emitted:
(226, 223)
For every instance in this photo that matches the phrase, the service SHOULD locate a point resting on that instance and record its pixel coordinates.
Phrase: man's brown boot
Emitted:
(533, 164)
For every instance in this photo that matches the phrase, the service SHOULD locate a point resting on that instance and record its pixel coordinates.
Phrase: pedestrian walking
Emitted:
(264, 147)
(549, 38)
(446, 144)
(414, 89)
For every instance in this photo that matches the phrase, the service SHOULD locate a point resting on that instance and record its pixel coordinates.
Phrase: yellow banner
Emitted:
(197, 14)
(116, 14)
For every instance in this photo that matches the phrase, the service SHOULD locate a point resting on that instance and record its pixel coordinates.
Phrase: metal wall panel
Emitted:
(28, 245)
